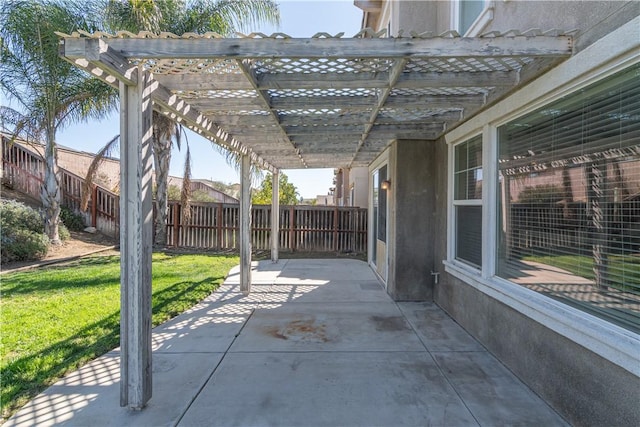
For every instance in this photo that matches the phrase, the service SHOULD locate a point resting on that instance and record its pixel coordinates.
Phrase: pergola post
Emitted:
(275, 216)
(245, 225)
(136, 234)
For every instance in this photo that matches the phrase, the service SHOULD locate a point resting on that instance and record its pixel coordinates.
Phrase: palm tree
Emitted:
(50, 93)
(179, 17)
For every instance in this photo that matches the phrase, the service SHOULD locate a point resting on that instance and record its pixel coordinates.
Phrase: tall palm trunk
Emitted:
(50, 194)
(161, 159)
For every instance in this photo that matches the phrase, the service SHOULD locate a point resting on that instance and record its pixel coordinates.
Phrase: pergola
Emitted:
(285, 103)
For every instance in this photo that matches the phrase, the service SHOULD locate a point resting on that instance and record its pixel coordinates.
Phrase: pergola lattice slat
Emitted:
(279, 99)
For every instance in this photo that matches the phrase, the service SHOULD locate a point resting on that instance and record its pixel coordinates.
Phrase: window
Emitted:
(569, 200)
(381, 224)
(464, 13)
(467, 202)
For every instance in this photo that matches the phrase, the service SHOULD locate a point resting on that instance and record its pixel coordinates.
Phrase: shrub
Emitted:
(22, 232)
(24, 245)
(15, 215)
(73, 221)
(63, 232)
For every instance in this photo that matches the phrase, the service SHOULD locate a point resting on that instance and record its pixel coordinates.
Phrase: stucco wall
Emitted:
(411, 15)
(582, 386)
(359, 179)
(592, 19)
(412, 221)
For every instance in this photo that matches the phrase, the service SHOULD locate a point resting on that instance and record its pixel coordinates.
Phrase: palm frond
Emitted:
(185, 194)
(93, 170)
(20, 125)
(134, 15)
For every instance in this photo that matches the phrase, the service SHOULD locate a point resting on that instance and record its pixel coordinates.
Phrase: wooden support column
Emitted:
(245, 225)
(275, 216)
(136, 240)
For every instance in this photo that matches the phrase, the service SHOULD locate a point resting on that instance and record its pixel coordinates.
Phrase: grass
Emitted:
(624, 270)
(56, 319)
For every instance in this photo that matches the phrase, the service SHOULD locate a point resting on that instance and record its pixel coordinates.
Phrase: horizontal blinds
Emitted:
(469, 234)
(569, 196)
(468, 201)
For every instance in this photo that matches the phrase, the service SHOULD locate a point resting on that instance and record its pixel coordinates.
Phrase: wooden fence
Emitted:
(212, 225)
(23, 170)
(550, 225)
(302, 228)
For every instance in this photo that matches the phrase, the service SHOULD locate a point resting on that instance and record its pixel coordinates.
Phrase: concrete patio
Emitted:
(316, 343)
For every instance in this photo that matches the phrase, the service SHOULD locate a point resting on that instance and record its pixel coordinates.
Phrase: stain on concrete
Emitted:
(389, 323)
(307, 330)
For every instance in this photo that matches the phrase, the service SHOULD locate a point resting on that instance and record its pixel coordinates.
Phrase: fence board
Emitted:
(212, 225)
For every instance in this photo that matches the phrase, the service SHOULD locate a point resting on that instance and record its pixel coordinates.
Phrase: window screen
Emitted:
(467, 190)
(469, 11)
(569, 199)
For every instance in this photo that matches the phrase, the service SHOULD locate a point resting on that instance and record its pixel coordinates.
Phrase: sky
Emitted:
(298, 18)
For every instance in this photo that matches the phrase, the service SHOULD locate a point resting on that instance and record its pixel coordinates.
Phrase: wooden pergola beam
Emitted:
(256, 48)
(100, 59)
(337, 80)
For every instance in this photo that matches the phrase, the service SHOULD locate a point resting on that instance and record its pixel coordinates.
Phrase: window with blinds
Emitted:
(569, 199)
(467, 202)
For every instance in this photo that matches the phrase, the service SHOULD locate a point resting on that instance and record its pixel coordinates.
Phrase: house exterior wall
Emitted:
(412, 205)
(593, 18)
(584, 367)
(198, 185)
(325, 200)
(358, 187)
(108, 174)
(78, 162)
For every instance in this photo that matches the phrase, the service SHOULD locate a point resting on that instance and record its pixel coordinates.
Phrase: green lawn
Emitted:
(56, 319)
(624, 269)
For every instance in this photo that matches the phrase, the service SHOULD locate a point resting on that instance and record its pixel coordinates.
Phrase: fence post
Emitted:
(292, 226)
(335, 229)
(219, 225)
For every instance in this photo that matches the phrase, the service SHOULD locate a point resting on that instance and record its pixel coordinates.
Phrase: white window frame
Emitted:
(481, 22)
(453, 213)
(609, 55)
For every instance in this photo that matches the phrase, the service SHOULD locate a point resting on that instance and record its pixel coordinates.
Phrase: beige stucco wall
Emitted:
(359, 181)
(593, 19)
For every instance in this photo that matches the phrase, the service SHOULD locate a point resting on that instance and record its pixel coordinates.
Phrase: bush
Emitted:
(63, 232)
(24, 245)
(22, 232)
(73, 221)
(15, 215)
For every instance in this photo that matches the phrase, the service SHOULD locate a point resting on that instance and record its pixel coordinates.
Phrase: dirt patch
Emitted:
(80, 244)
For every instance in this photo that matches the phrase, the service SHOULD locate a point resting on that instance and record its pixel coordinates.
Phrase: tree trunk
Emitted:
(50, 194)
(161, 159)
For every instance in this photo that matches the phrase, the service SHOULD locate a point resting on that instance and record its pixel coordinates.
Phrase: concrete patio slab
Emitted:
(334, 389)
(492, 392)
(327, 347)
(322, 327)
(438, 331)
(91, 396)
(329, 292)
